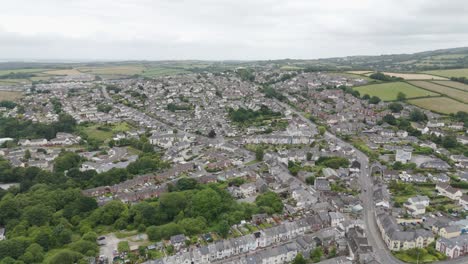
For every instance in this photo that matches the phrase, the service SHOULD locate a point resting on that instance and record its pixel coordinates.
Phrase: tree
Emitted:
(27, 154)
(65, 256)
(223, 228)
(66, 161)
(395, 107)
(449, 141)
(309, 156)
(186, 184)
(270, 201)
(322, 130)
(299, 259)
(389, 119)
(374, 100)
(417, 116)
(310, 180)
(212, 133)
(207, 203)
(316, 254)
(401, 96)
(259, 152)
(366, 97)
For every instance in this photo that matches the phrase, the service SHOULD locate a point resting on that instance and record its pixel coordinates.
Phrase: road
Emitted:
(382, 254)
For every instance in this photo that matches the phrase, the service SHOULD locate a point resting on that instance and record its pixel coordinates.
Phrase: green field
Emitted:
(442, 105)
(389, 91)
(160, 71)
(449, 92)
(450, 73)
(103, 132)
(114, 70)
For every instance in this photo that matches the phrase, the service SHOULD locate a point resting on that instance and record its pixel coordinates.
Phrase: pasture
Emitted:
(113, 70)
(162, 71)
(360, 72)
(63, 72)
(449, 92)
(10, 95)
(442, 105)
(456, 85)
(389, 91)
(450, 73)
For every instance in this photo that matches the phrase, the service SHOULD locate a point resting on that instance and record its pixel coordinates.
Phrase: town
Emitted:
(242, 166)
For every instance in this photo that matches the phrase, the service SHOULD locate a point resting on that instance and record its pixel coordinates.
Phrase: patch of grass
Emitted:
(124, 234)
(456, 85)
(441, 105)
(389, 91)
(414, 76)
(103, 132)
(63, 72)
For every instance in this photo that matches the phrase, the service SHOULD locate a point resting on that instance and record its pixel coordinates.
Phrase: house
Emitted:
(464, 201)
(336, 218)
(178, 241)
(417, 205)
(448, 191)
(2, 233)
(450, 231)
(453, 247)
(403, 156)
(32, 142)
(397, 239)
(322, 184)
(248, 189)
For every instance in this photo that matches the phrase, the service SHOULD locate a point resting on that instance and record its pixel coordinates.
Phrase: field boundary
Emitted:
(442, 95)
(465, 91)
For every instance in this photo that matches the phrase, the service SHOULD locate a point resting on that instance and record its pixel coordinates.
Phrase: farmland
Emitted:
(414, 76)
(10, 95)
(442, 105)
(114, 70)
(160, 71)
(450, 73)
(450, 92)
(452, 84)
(360, 72)
(389, 91)
(63, 72)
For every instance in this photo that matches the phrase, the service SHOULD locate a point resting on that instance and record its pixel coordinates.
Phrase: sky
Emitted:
(227, 30)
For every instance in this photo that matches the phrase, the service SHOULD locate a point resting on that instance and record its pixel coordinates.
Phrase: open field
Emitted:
(10, 95)
(113, 70)
(359, 72)
(415, 76)
(103, 132)
(442, 105)
(389, 91)
(453, 84)
(14, 81)
(4, 72)
(160, 71)
(450, 92)
(63, 72)
(450, 73)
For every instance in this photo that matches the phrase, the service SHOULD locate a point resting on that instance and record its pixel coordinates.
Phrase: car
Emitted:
(101, 238)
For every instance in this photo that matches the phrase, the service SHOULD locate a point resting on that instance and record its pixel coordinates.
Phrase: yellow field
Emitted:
(450, 92)
(360, 72)
(415, 76)
(63, 72)
(442, 105)
(10, 95)
(453, 84)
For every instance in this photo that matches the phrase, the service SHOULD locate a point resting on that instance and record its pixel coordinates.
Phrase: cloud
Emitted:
(225, 29)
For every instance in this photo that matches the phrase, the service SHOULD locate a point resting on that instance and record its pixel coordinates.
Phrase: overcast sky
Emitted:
(227, 29)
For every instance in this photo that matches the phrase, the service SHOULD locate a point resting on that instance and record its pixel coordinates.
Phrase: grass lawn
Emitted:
(10, 95)
(442, 105)
(450, 73)
(103, 132)
(449, 92)
(389, 91)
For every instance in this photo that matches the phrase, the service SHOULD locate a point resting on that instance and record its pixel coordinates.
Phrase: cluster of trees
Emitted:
(385, 78)
(461, 116)
(417, 116)
(372, 100)
(175, 107)
(333, 162)
(350, 91)
(294, 167)
(45, 219)
(460, 79)
(273, 93)
(395, 107)
(105, 108)
(18, 128)
(7, 104)
(246, 116)
(246, 74)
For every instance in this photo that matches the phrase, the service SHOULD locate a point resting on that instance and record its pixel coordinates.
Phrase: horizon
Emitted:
(210, 30)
